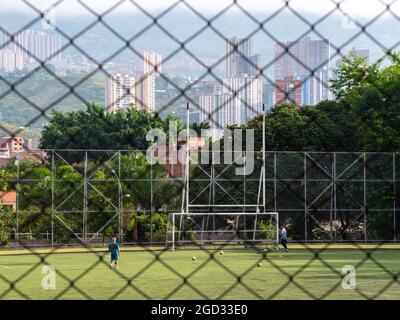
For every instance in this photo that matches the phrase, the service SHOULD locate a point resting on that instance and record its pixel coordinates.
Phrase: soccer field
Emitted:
(215, 278)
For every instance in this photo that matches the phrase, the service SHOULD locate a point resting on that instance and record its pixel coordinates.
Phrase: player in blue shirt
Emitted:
(114, 249)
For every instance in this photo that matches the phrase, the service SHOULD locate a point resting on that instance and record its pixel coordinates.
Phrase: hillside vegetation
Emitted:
(47, 93)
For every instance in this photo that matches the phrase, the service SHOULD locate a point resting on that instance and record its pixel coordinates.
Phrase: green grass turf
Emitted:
(157, 280)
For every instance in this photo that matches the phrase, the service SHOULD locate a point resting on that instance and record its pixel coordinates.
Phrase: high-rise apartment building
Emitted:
(306, 60)
(209, 107)
(37, 45)
(120, 92)
(301, 58)
(148, 62)
(249, 92)
(268, 95)
(11, 61)
(145, 92)
(317, 88)
(240, 59)
(124, 91)
(239, 101)
(220, 109)
(240, 97)
(288, 90)
(147, 65)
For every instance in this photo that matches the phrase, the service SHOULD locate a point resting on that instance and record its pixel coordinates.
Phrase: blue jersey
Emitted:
(114, 248)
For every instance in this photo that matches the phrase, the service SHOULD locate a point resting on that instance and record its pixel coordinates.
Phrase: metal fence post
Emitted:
(365, 197)
(52, 198)
(305, 198)
(394, 198)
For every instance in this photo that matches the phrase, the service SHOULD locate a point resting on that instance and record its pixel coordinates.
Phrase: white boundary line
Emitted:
(5, 267)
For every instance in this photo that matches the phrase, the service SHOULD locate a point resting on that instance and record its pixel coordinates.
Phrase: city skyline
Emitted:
(45, 44)
(240, 95)
(33, 44)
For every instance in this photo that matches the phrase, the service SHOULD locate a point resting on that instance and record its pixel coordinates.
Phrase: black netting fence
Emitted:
(82, 85)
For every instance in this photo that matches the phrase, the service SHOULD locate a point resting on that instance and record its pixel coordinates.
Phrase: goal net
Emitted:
(249, 229)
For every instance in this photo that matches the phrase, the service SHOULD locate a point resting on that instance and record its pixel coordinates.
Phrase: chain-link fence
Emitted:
(92, 196)
(61, 205)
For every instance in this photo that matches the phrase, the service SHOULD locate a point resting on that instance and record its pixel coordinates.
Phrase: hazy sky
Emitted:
(354, 8)
(208, 45)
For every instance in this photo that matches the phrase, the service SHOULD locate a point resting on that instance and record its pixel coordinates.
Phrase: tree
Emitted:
(95, 129)
(353, 75)
(34, 196)
(372, 95)
(324, 127)
(149, 187)
(6, 177)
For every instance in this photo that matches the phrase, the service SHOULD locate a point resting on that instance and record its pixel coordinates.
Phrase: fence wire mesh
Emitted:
(341, 208)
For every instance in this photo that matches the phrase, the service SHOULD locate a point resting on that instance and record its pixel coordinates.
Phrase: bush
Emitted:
(266, 230)
(6, 225)
(158, 231)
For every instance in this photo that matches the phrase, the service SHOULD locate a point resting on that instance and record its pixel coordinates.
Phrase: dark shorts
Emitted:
(114, 256)
(284, 243)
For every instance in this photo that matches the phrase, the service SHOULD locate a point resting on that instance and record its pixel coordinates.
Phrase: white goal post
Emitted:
(257, 228)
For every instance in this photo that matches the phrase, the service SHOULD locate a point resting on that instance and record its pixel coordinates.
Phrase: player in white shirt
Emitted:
(284, 238)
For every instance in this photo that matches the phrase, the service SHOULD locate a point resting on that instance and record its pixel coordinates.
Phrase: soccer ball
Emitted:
(259, 265)
(193, 259)
(221, 253)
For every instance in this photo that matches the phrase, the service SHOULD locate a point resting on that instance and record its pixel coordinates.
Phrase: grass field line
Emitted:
(23, 251)
(5, 267)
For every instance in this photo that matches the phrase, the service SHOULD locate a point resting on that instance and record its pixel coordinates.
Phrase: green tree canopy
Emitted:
(94, 129)
(372, 94)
